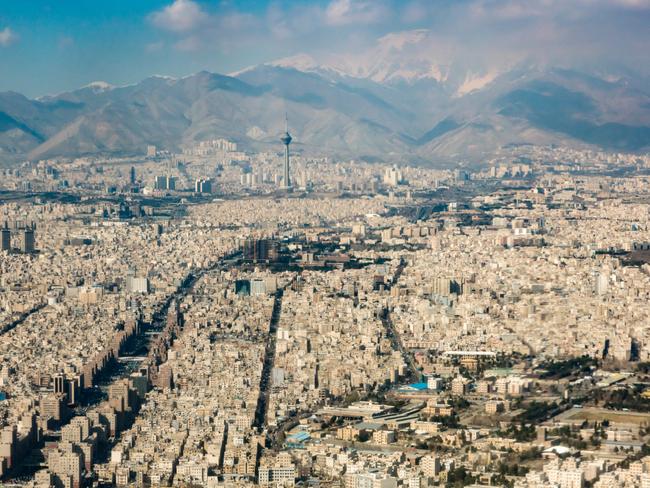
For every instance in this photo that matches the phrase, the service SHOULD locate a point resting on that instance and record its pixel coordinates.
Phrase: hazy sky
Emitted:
(51, 46)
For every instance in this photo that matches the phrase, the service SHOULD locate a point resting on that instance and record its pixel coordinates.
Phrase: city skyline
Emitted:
(380, 80)
(325, 244)
(182, 320)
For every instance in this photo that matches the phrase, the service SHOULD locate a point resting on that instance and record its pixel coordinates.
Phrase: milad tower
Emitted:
(286, 140)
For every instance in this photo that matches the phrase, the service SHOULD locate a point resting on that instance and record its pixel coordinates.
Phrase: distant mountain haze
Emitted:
(394, 105)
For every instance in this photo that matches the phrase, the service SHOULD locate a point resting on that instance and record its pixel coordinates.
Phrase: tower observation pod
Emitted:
(286, 140)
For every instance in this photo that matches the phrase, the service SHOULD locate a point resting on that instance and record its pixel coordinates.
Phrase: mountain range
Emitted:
(394, 103)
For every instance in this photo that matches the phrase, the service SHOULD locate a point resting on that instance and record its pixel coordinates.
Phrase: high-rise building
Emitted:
(66, 466)
(392, 176)
(27, 244)
(6, 238)
(121, 396)
(59, 383)
(602, 283)
(258, 287)
(164, 182)
(8, 437)
(260, 250)
(160, 183)
(203, 186)
(132, 175)
(243, 287)
(430, 465)
(52, 406)
(286, 140)
(165, 377)
(277, 475)
(137, 284)
(72, 392)
(445, 287)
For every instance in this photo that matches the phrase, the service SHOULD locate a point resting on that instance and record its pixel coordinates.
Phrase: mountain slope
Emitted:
(172, 113)
(545, 107)
(334, 113)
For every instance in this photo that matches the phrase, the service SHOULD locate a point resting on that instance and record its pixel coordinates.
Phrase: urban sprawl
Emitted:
(226, 319)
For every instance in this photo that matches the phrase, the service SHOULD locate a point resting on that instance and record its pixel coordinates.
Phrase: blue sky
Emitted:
(58, 45)
(50, 46)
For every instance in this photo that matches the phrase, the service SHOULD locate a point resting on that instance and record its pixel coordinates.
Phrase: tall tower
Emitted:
(27, 245)
(286, 140)
(6, 238)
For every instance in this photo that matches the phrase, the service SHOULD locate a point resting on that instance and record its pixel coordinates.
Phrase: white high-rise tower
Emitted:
(286, 140)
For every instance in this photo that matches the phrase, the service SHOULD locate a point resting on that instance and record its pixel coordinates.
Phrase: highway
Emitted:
(269, 358)
(394, 336)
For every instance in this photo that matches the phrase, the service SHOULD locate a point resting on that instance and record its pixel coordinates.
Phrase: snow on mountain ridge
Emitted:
(476, 82)
(301, 62)
(99, 86)
(406, 56)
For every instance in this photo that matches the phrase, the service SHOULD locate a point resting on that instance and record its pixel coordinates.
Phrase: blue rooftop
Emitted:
(298, 437)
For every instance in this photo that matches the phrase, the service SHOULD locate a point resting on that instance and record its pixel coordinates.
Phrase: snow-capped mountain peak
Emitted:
(301, 62)
(398, 57)
(99, 86)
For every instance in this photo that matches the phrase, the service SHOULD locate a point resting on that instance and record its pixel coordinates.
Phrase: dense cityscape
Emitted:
(325, 244)
(226, 318)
